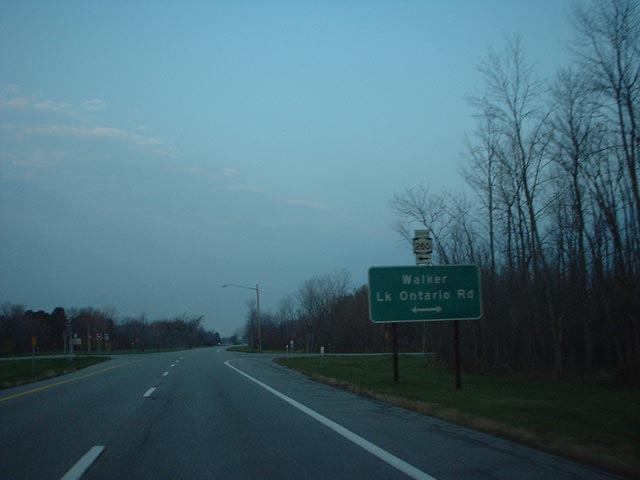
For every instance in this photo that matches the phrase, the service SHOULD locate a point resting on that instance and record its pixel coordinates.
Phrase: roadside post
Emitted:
(417, 294)
(34, 342)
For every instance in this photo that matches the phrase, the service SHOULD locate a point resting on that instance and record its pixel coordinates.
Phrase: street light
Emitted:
(257, 290)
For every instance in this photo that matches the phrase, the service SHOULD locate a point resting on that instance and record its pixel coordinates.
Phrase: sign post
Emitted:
(418, 294)
(34, 342)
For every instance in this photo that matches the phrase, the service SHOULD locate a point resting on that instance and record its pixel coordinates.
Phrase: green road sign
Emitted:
(418, 294)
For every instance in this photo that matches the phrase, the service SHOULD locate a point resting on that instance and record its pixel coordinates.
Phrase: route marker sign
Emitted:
(422, 247)
(422, 294)
(422, 243)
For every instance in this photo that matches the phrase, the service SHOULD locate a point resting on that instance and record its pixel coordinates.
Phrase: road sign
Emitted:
(418, 294)
(422, 243)
(423, 258)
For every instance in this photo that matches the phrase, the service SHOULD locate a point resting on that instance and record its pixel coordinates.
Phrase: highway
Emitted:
(213, 414)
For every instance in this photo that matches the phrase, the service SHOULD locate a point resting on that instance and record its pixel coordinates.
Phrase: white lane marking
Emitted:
(149, 392)
(165, 374)
(173, 365)
(218, 351)
(82, 465)
(383, 455)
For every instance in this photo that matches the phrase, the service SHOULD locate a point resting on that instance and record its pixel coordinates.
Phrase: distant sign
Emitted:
(414, 294)
(34, 341)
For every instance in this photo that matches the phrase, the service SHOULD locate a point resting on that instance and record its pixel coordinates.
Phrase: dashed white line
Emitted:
(149, 392)
(382, 454)
(165, 374)
(173, 365)
(84, 463)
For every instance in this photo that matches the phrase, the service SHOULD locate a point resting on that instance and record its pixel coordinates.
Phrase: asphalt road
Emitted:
(212, 414)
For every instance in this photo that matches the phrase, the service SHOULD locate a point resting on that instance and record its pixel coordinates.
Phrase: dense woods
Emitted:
(107, 332)
(554, 221)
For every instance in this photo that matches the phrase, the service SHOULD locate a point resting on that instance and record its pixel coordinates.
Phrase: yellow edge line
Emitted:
(51, 385)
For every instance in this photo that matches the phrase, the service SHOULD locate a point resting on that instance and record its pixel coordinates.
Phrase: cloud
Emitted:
(148, 144)
(93, 105)
(231, 171)
(22, 102)
(17, 103)
(52, 106)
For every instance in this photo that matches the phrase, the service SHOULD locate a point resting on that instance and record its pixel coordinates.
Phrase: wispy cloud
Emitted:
(52, 106)
(93, 105)
(17, 103)
(149, 144)
(27, 103)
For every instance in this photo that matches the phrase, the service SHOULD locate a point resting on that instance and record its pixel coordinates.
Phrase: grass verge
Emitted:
(591, 423)
(20, 372)
(245, 349)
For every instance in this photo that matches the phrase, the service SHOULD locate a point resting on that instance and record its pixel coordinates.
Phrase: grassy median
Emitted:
(20, 372)
(592, 423)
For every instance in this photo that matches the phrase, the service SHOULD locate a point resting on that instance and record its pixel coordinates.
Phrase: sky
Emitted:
(151, 152)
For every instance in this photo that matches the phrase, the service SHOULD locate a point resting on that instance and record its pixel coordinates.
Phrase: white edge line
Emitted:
(82, 465)
(165, 374)
(382, 454)
(149, 392)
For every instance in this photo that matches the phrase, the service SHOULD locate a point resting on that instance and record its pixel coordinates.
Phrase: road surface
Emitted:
(213, 414)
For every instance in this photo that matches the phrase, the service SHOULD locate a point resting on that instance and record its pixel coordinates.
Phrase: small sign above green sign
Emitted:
(418, 294)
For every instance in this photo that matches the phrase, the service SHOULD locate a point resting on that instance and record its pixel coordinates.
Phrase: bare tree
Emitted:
(316, 298)
(417, 206)
(607, 47)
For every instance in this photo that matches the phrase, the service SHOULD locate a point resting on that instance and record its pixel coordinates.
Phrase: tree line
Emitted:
(54, 331)
(553, 223)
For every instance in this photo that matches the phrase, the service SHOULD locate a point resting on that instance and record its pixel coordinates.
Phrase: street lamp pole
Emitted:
(257, 290)
(258, 317)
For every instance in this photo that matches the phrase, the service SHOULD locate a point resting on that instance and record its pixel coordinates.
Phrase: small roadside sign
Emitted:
(423, 258)
(422, 243)
(34, 341)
